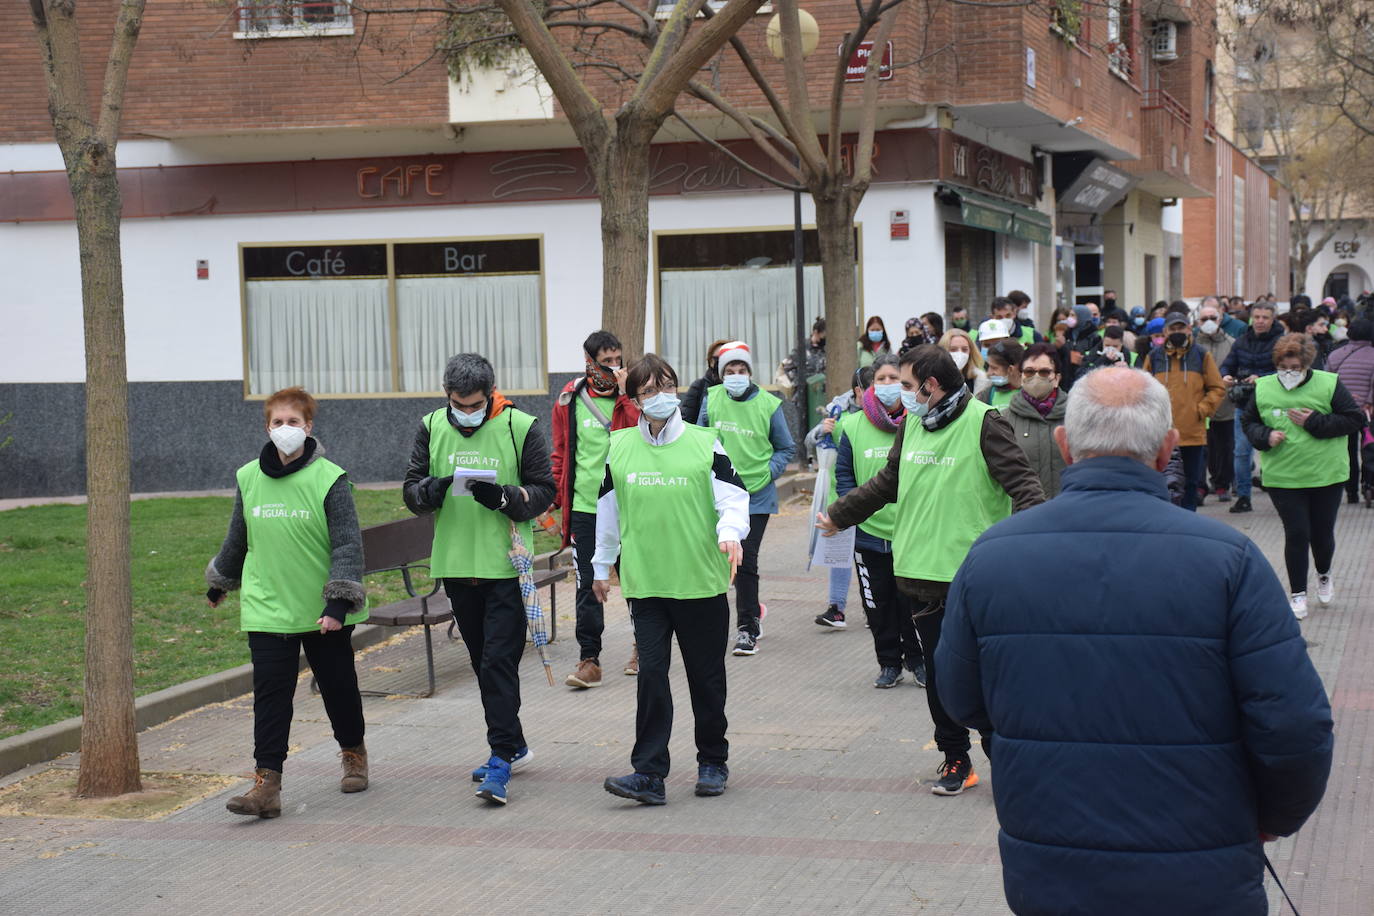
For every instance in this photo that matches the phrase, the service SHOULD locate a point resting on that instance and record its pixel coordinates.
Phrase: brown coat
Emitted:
(1195, 396)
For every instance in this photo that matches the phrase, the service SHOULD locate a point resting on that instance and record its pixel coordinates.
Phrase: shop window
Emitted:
(970, 269)
(291, 18)
(735, 284)
(384, 317)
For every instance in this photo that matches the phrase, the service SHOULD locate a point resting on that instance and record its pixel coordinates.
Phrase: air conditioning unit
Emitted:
(1164, 44)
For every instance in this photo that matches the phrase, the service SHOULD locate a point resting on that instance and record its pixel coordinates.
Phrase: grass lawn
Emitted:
(177, 636)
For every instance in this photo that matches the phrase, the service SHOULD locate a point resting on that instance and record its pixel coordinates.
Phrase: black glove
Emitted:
(214, 595)
(337, 608)
(491, 495)
(434, 489)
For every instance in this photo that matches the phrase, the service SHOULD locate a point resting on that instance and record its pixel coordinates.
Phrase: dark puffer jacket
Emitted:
(1144, 737)
(1252, 354)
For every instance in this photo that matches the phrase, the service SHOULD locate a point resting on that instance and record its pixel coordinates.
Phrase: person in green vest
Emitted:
(864, 441)
(1301, 419)
(953, 470)
(751, 426)
(295, 550)
(1003, 358)
(479, 430)
(1004, 311)
(674, 511)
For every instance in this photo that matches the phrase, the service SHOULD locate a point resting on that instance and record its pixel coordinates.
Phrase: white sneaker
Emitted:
(1326, 589)
(1299, 604)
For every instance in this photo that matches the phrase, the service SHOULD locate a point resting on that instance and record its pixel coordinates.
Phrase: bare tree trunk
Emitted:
(623, 185)
(109, 746)
(835, 227)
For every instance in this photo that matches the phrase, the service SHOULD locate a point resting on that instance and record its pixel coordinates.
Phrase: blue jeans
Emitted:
(839, 585)
(1244, 457)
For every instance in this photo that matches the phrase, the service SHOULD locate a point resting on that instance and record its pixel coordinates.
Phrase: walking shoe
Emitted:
(1201, 497)
(918, 673)
(711, 779)
(763, 612)
(1242, 504)
(1326, 589)
(1298, 603)
(833, 617)
(889, 676)
(1223, 495)
(522, 757)
(587, 675)
(354, 768)
(746, 643)
(645, 789)
(263, 800)
(956, 775)
(632, 666)
(493, 787)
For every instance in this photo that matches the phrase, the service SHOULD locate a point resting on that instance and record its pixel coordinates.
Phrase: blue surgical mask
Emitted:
(914, 407)
(469, 420)
(888, 394)
(998, 381)
(984, 351)
(875, 336)
(1137, 321)
(736, 384)
(661, 405)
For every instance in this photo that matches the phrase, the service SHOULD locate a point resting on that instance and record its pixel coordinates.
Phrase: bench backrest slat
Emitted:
(397, 543)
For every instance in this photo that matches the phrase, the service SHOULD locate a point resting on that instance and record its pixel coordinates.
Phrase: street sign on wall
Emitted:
(858, 62)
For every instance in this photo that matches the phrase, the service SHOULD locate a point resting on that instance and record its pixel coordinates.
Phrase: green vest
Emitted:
(593, 440)
(945, 496)
(470, 540)
(743, 427)
(287, 565)
(996, 397)
(1301, 460)
(668, 546)
(869, 446)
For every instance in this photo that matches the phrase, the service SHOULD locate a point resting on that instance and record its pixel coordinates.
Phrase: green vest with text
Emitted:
(289, 553)
(593, 439)
(869, 446)
(1302, 460)
(470, 540)
(946, 496)
(743, 427)
(668, 546)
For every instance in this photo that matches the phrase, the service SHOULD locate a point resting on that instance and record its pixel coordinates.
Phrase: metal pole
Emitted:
(798, 261)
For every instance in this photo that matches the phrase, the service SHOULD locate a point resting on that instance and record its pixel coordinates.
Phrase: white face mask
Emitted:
(1023, 314)
(1290, 378)
(287, 439)
(960, 358)
(1111, 352)
(1209, 326)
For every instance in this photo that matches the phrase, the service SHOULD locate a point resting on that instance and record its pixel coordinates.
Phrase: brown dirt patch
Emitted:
(51, 793)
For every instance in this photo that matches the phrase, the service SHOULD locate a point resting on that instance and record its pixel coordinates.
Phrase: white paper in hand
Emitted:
(463, 479)
(835, 552)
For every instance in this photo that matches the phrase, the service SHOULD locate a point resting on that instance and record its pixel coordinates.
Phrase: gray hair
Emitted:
(1264, 304)
(467, 373)
(1117, 411)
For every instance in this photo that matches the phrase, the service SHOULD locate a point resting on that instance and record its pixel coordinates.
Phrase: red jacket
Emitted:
(623, 415)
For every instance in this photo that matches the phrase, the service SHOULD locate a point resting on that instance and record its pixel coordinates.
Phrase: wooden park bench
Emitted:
(404, 546)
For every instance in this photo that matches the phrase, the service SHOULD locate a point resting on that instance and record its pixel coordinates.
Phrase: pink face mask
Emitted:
(1071, 321)
(1157, 340)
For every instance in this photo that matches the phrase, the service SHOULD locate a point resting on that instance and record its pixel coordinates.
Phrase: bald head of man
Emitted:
(1118, 412)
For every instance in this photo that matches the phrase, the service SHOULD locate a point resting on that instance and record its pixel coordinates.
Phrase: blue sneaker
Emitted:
(522, 757)
(647, 790)
(711, 779)
(493, 787)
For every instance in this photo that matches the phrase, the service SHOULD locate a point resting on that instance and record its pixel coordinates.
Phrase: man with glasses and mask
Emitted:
(480, 430)
(953, 470)
(588, 409)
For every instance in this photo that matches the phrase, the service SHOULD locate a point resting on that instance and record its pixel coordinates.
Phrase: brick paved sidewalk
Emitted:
(826, 810)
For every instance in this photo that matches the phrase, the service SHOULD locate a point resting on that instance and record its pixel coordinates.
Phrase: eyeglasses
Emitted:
(1043, 373)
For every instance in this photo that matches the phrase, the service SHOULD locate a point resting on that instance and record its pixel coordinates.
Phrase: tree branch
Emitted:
(583, 110)
(759, 131)
(60, 42)
(868, 112)
(798, 95)
(738, 161)
(659, 90)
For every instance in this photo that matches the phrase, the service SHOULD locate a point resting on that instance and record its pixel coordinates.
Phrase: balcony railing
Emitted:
(258, 18)
(1159, 100)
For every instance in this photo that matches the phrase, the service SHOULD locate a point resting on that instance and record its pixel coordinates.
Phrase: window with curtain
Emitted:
(384, 318)
(734, 284)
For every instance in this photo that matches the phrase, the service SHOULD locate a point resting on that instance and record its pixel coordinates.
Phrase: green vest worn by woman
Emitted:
(287, 565)
(593, 439)
(470, 540)
(743, 427)
(668, 546)
(998, 397)
(1301, 460)
(946, 497)
(869, 446)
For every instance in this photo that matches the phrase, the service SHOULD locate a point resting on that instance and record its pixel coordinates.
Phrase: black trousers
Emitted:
(1221, 454)
(591, 615)
(1194, 473)
(950, 736)
(491, 618)
(889, 611)
(701, 626)
(1309, 521)
(276, 664)
(747, 578)
(1352, 486)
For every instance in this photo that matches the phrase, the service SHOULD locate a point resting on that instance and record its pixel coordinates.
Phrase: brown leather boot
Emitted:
(263, 800)
(354, 768)
(632, 666)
